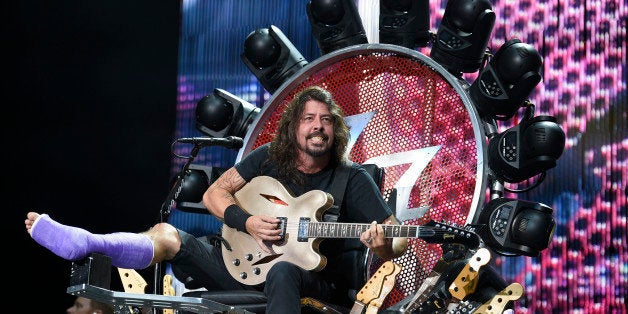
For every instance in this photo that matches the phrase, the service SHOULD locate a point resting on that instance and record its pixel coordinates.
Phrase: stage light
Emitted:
(404, 23)
(505, 83)
(271, 57)
(516, 227)
(463, 35)
(527, 149)
(222, 114)
(336, 24)
(195, 182)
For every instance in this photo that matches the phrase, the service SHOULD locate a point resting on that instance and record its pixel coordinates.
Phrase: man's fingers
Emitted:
(271, 220)
(264, 247)
(373, 229)
(380, 229)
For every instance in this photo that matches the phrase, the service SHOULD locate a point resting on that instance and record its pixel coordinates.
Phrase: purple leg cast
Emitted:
(127, 250)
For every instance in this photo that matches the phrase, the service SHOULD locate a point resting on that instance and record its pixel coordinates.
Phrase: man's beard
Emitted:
(318, 152)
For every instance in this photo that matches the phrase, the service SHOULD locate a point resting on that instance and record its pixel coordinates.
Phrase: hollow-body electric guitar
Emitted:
(302, 231)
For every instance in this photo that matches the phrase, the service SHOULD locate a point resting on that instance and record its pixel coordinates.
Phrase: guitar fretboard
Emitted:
(353, 230)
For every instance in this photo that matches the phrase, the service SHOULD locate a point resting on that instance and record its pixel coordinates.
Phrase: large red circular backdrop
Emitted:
(412, 118)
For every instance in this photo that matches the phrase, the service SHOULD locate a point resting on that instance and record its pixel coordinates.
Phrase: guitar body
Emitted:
(246, 261)
(302, 231)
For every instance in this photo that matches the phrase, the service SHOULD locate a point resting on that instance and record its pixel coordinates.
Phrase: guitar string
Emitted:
(322, 229)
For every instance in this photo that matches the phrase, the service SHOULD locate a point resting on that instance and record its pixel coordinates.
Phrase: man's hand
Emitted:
(265, 230)
(385, 248)
(374, 238)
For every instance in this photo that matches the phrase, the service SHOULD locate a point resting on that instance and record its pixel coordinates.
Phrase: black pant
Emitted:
(200, 264)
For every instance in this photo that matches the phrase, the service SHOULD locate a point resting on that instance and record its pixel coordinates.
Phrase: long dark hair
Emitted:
(283, 148)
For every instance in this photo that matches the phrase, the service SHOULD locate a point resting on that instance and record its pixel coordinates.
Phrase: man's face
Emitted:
(81, 305)
(315, 134)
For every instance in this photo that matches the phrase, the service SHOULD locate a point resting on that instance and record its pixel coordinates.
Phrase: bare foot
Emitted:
(31, 217)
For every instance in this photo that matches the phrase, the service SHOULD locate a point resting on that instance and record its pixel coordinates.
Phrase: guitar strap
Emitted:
(338, 189)
(353, 256)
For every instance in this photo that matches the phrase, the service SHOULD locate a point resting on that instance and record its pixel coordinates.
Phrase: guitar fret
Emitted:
(357, 230)
(350, 230)
(360, 230)
(430, 234)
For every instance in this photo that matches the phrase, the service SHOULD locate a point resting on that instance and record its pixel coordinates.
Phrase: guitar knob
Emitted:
(236, 262)
(257, 271)
(243, 275)
(248, 257)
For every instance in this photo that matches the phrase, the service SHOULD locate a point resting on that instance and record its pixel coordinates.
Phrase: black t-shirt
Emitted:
(362, 203)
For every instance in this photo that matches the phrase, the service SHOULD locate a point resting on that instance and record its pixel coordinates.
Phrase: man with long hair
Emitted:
(306, 154)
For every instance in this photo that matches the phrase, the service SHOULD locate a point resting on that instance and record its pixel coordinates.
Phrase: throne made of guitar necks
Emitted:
(411, 117)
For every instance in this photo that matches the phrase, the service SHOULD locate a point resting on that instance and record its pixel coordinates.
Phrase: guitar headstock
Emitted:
(446, 233)
(379, 285)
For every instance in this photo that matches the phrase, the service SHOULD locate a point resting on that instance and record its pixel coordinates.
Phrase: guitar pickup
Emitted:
(304, 226)
(282, 227)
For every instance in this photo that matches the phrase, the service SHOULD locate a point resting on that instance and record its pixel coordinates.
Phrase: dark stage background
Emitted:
(89, 119)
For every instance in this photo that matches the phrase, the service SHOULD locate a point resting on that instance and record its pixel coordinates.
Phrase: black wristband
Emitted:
(235, 217)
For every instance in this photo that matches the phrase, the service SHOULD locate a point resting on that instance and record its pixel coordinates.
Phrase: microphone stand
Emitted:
(166, 207)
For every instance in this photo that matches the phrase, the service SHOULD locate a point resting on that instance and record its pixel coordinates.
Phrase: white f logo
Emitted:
(418, 160)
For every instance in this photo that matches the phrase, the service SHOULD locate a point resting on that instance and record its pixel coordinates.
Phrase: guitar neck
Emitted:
(431, 232)
(353, 230)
